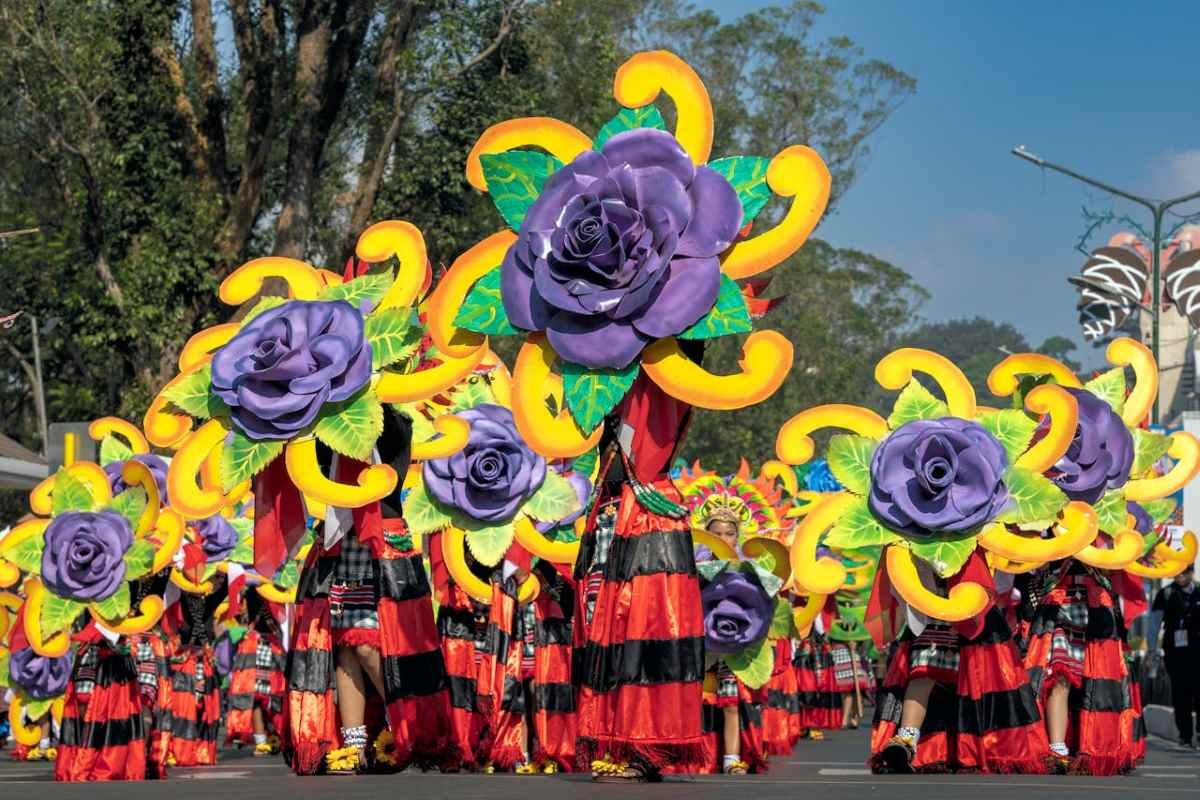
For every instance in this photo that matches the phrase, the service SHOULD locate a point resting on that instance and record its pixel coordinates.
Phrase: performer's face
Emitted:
(725, 531)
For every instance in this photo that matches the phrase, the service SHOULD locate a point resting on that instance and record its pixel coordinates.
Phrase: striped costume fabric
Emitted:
(554, 715)
(822, 706)
(102, 736)
(255, 681)
(722, 689)
(194, 707)
(781, 703)
(501, 693)
(151, 649)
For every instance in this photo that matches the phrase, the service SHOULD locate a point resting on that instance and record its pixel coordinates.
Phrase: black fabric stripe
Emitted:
(783, 700)
(75, 732)
(996, 711)
(554, 697)
(243, 661)
(193, 731)
(995, 630)
(414, 676)
(1103, 623)
(823, 699)
(462, 692)
(310, 670)
(402, 578)
(750, 714)
(513, 699)
(241, 702)
(642, 661)
(1101, 695)
(556, 630)
(456, 623)
(655, 553)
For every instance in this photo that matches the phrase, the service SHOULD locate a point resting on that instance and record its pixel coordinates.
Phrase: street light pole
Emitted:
(1157, 210)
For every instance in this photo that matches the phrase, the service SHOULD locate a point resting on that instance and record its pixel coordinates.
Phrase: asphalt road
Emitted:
(829, 770)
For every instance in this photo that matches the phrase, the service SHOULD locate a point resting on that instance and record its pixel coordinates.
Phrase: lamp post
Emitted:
(1157, 210)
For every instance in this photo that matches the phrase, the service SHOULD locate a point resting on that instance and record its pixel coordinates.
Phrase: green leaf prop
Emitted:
(728, 315)
(288, 576)
(946, 556)
(488, 543)
(112, 450)
(4, 668)
(69, 494)
(352, 426)
(139, 558)
(1111, 511)
(748, 177)
(391, 336)
(754, 665)
(782, 621)
(916, 402)
(515, 179)
(422, 428)
(192, 395)
(116, 606)
(1014, 429)
(265, 304)
(858, 528)
(37, 708)
(243, 553)
(370, 288)
(627, 119)
(849, 459)
(130, 504)
(482, 310)
(1159, 510)
(554, 500)
(1109, 387)
(1035, 499)
(586, 463)
(1148, 448)
(592, 393)
(28, 555)
(243, 458)
(59, 612)
(422, 514)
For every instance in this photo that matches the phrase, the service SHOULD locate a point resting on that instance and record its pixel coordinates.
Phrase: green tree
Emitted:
(1060, 347)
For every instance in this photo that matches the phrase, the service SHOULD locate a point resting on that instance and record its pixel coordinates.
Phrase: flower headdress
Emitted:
(621, 245)
(750, 503)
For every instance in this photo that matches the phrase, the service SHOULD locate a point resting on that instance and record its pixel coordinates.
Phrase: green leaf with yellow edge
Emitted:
(591, 394)
(1034, 498)
(729, 315)
(849, 458)
(264, 304)
(70, 494)
(130, 504)
(628, 119)
(243, 458)
(482, 310)
(59, 613)
(1013, 429)
(369, 289)
(1111, 511)
(116, 606)
(193, 395)
(1109, 387)
(945, 555)
(352, 426)
(288, 576)
(243, 552)
(113, 450)
(754, 665)
(515, 179)
(27, 555)
(857, 528)
(916, 402)
(392, 336)
(1148, 448)
(782, 622)
(1159, 510)
(4, 668)
(748, 177)
(139, 558)
(488, 543)
(35, 708)
(554, 500)
(422, 515)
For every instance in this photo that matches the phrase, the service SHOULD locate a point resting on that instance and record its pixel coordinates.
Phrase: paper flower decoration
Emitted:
(754, 502)
(621, 245)
(743, 612)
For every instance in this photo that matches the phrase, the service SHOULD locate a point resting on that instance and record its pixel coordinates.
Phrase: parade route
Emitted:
(829, 770)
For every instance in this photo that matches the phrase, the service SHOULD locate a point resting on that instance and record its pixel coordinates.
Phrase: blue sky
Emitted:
(1108, 88)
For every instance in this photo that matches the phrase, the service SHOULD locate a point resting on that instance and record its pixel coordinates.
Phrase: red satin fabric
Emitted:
(780, 728)
(239, 722)
(204, 711)
(279, 517)
(555, 731)
(112, 703)
(987, 669)
(498, 671)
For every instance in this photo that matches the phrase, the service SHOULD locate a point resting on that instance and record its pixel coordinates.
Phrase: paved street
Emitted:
(828, 770)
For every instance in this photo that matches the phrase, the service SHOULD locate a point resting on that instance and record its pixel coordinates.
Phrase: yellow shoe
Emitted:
(52, 754)
(342, 761)
(171, 760)
(35, 754)
(488, 769)
(264, 749)
(551, 768)
(526, 769)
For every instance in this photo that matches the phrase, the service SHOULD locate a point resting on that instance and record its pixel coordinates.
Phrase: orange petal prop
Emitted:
(108, 426)
(452, 290)
(793, 444)
(1064, 418)
(88, 473)
(199, 349)
(640, 79)
(966, 600)
(758, 546)
(410, 387)
(1125, 352)
(29, 529)
(271, 592)
(186, 496)
(454, 556)
(403, 240)
(374, 483)
(810, 574)
(1076, 530)
(30, 736)
(455, 432)
(1127, 546)
(1002, 564)
(171, 529)
(150, 611)
(779, 471)
(552, 436)
(765, 362)
(135, 473)
(164, 428)
(303, 282)
(557, 138)
(799, 173)
(528, 536)
(188, 585)
(1004, 377)
(804, 616)
(9, 575)
(1186, 452)
(1168, 562)
(718, 546)
(59, 642)
(896, 369)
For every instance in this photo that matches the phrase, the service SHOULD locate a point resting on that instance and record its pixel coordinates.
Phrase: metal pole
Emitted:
(1156, 301)
(39, 395)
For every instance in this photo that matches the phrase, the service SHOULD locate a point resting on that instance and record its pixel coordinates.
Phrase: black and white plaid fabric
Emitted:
(606, 530)
(147, 664)
(935, 649)
(1068, 643)
(726, 681)
(85, 669)
(264, 665)
(844, 665)
(352, 601)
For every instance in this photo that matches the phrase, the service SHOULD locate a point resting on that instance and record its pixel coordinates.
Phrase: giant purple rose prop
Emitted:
(1100, 455)
(288, 362)
(1143, 523)
(156, 465)
(737, 612)
(217, 537)
(620, 248)
(40, 677)
(938, 475)
(83, 556)
(490, 478)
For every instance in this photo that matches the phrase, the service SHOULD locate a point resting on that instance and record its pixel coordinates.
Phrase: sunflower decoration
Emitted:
(620, 247)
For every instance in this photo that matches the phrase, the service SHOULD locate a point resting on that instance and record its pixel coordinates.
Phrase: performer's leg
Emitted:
(1057, 715)
(372, 665)
(916, 703)
(352, 700)
(848, 710)
(732, 738)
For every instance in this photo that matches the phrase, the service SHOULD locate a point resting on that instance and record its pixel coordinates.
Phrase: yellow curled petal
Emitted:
(804, 616)
(187, 585)
(135, 473)
(411, 387)
(269, 591)
(552, 436)
(1127, 546)
(91, 475)
(303, 282)
(1005, 376)
(528, 536)
(186, 496)
(59, 642)
(799, 173)
(1064, 420)
(1076, 530)
(210, 479)
(895, 370)
(106, 426)
(330, 278)
(150, 611)
(1002, 564)
(778, 471)
(9, 575)
(528, 590)
(810, 574)
(11, 601)
(452, 290)
(454, 555)
(794, 445)
(718, 547)
(640, 79)
(31, 735)
(374, 483)
(170, 529)
(403, 240)
(1126, 352)
(966, 600)
(765, 362)
(455, 432)
(557, 138)
(165, 428)
(1186, 452)
(1168, 562)
(29, 529)
(757, 546)
(199, 349)
(5, 623)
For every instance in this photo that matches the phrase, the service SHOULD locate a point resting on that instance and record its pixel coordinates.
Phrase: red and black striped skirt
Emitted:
(103, 736)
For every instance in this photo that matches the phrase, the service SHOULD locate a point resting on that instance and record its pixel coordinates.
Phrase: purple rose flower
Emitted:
(1142, 522)
(40, 677)
(288, 362)
(83, 556)
(223, 656)
(217, 537)
(938, 475)
(1100, 455)
(620, 248)
(737, 612)
(156, 465)
(490, 478)
(583, 490)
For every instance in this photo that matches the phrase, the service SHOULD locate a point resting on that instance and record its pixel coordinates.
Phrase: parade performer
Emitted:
(256, 679)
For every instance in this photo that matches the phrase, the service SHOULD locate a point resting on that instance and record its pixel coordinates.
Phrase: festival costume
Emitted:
(194, 704)
(781, 703)
(554, 710)
(821, 707)
(256, 678)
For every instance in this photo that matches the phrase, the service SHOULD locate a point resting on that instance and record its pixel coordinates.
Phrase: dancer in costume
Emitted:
(256, 679)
